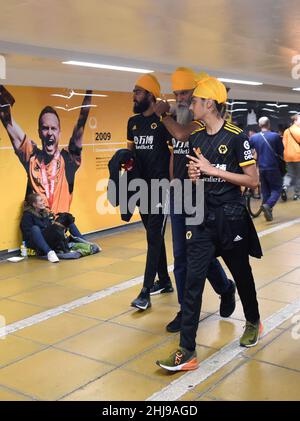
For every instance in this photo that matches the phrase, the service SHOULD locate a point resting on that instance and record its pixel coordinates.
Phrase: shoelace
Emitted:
(249, 326)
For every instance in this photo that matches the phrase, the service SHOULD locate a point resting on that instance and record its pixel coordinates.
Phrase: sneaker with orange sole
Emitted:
(181, 360)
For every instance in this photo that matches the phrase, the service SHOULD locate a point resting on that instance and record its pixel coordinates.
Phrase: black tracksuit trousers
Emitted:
(202, 245)
(156, 262)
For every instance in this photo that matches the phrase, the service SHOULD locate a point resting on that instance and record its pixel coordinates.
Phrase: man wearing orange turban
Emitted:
(148, 137)
(149, 83)
(222, 157)
(183, 79)
(210, 87)
(183, 84)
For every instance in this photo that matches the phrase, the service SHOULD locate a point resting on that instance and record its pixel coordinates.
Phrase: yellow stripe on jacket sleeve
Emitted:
(233, 126)
(229, 129)
(244, 164)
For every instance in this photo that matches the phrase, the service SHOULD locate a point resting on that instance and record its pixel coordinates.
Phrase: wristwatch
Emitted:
(163, 115)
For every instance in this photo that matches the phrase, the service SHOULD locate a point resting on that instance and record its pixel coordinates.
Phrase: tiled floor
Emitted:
(105, 350)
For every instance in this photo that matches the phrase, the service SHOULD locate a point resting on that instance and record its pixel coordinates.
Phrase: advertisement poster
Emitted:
(79, 131)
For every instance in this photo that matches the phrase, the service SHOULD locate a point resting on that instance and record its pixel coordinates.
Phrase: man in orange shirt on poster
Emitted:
(50, 171)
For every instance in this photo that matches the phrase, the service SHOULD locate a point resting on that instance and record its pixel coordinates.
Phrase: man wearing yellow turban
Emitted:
(183, 79)
(223, 159)
(210, 87)
(149, 83)
(148, 137)
(183, 84)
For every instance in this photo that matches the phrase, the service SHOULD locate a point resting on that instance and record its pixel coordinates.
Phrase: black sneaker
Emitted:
(143, 300)
(284, 194)
(267, 210)
(227, 305)
(175, 324)
(161, 287)
(296, 196)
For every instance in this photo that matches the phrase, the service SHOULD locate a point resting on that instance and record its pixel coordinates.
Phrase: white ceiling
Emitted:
(244, 39)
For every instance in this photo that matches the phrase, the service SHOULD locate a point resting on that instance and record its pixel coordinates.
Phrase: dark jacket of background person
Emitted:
(266, 158)
(30, 218)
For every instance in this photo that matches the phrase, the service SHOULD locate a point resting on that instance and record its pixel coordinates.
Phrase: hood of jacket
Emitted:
(43, 214)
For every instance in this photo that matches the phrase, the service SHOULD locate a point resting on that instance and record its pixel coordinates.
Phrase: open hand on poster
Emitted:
(6, 101)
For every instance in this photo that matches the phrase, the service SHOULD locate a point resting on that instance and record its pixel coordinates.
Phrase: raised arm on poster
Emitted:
(50, 171)
(15, 132)
(77, 136)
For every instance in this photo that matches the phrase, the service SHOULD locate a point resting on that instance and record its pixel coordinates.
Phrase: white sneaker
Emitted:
(52, 257)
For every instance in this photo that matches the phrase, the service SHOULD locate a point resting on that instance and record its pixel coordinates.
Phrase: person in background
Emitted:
(281, 129)
(286, 179)
(251, 132)
(34, 220)
(268, 145)
(291, 143)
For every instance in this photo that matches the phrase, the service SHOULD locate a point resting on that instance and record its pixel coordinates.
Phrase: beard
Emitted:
(183, 114)
(141, 107)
